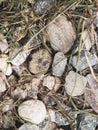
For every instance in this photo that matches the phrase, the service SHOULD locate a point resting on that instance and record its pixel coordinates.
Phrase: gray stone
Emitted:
(87, 122)
(59, 64)
(80, 63)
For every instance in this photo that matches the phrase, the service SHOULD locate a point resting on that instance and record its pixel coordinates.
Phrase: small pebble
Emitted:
(28, 126)
(33, 111)
(40, 62)
(75, 84)
(91, 92)
(87, 122)
(61, 34)
(20, 58)
(2, 85)
(81, 63)
(3, 44)
(86, 37)
(49, 82)
(59, 63)
(41, 7)
(8, 104)
(52, 83)
(5, 67)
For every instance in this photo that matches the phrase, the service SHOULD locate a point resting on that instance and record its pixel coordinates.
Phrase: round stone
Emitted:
(33, 111)
(40, 62)
(28, 127)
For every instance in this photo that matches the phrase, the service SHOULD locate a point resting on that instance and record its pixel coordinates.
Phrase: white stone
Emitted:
(28, 126)
(18, 92)
(3, 43)
(75, 84)
(2, 85)
(86, 37)
(52, 115)
(33, 111)
(61, 34)
(5, 67)
(49, 82)
(8, 104)
(20, 58)
(96, 20)
(91, 92)
(59, 64)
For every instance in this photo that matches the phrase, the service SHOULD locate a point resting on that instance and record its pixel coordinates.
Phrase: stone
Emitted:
(81, 63)
(5, 67)
(33, 111)
(3, 44)
(91, 92)
(59, 119)
(2, 85)
(75, 84)
(41, 7)
(28, 126)
(20, 58)
(40, 62)
(59, 64)
(49, 82)
(52, 83)
(87, 122)
(61, 34)
(8, 104)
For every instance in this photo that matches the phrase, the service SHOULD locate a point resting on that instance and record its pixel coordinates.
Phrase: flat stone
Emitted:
(87, 122)
(75, 84)
(81, 63)
(20, 58)
(59, 64)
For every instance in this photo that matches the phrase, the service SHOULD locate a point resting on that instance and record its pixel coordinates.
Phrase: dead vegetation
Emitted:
(24, 35)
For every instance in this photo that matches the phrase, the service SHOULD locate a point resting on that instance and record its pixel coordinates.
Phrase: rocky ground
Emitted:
(48, 65)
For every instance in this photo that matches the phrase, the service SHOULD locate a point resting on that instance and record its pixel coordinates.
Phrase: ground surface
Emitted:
(49, 64)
